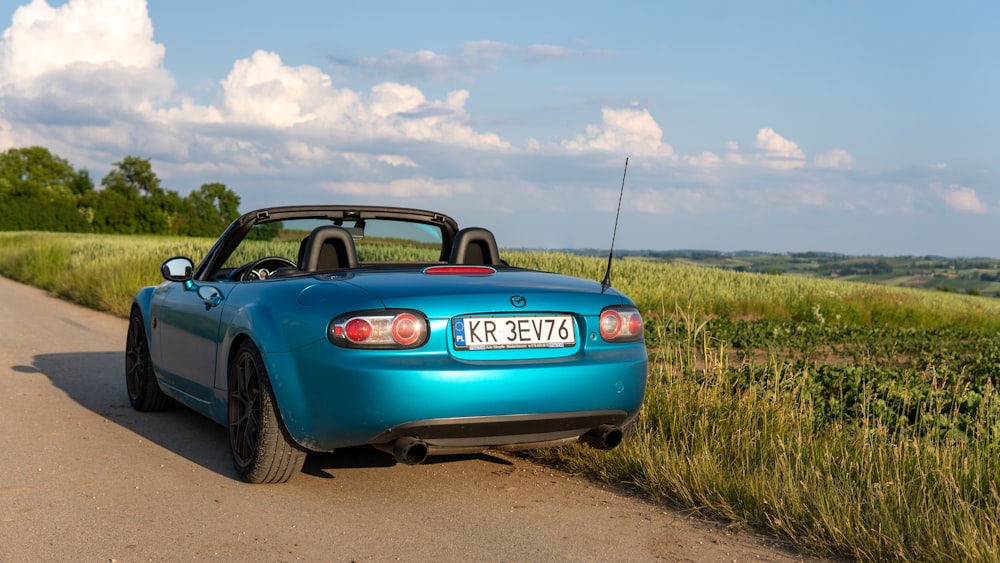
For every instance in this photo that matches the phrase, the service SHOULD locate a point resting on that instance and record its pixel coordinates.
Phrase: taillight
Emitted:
(621, 324)
(382, 329)
(358, 330)
(407, 329)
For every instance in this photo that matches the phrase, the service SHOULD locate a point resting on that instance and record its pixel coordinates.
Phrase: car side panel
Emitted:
(186, 329)
(279, 316)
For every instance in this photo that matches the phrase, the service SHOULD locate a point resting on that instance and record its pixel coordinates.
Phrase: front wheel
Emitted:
(261, 449)
(143, 391)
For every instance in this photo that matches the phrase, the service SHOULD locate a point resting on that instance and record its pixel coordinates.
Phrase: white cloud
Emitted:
(89, 74)
(777, 151)
(733, 155)
(961, 199)
(673, 201)
(261, 90)
(83, 62)
(473, 57)
(396, 160)
(811, 195)
(43, 39)
(407, 187)
(652, 201)
(540, 53)
(703, 160)
(363, 160)
(390, 98)
(836, 159)
(304, 152)
(630, 131)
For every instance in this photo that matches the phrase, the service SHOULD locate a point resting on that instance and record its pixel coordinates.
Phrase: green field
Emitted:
(851, 419)
(973, 276)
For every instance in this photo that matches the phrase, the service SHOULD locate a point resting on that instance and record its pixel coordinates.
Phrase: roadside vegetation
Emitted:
(849, 419)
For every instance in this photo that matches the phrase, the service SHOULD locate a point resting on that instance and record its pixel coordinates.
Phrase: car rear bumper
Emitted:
(413, 442)
(507, 430)
(329, 401)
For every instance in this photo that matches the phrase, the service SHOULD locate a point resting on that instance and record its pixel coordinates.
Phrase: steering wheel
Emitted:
(263, 268)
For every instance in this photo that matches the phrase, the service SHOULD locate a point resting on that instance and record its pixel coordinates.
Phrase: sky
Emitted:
(866, 128)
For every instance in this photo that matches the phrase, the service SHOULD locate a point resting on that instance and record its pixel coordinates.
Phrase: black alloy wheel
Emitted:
(143, 391)
(261, 450)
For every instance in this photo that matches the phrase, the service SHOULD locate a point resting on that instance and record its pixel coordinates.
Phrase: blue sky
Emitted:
(843, 126)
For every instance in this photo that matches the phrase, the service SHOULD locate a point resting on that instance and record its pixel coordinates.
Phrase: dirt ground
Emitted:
(85, 478)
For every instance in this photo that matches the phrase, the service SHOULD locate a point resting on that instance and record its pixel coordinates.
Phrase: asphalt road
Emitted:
(85, 478)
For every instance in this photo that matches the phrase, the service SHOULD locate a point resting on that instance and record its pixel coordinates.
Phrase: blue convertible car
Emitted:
(312, 328)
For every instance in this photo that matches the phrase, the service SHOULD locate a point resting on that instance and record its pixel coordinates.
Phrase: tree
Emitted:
(133, 177)
(81, 184)
(209, 209)
(265, 231)
(39, 191)
(33, 169)
(42, 191)
(133, 200)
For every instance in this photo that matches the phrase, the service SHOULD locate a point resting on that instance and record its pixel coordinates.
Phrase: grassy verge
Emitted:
(851, 420)
(99, 271)
(758, 457)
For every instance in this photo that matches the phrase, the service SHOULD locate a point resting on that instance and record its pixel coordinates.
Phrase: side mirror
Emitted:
(177, 269)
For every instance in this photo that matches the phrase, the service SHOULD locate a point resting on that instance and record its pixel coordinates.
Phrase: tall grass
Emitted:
(98, 271)
(758, 459)
(876, 485)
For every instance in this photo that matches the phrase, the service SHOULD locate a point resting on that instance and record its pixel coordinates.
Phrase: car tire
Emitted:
(143, 391)
(261, 449)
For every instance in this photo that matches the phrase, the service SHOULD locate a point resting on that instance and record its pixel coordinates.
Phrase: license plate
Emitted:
(499, 333)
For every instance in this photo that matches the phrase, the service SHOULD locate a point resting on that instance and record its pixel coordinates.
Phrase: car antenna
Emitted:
(611, 254)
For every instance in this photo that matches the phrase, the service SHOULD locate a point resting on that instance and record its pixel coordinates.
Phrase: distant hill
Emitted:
(975, 276)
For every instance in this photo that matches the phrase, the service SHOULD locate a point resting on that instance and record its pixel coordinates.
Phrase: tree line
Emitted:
(41, 191)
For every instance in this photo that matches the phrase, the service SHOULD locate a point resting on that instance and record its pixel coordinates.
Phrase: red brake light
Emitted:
(460, 270)
(635, 324)
(357, 330)
(621, 324)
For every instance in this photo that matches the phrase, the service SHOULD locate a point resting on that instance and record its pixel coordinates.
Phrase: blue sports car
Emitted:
(312, 328)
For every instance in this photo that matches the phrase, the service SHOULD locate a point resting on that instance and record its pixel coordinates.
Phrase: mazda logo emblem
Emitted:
(518, 301)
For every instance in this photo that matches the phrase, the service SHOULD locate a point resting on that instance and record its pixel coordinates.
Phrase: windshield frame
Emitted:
(241, 227)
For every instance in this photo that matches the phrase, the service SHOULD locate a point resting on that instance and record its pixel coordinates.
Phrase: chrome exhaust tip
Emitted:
(409, 450)
(604, 437)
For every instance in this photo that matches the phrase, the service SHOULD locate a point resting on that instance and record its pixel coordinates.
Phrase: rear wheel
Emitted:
(143, 391)
(261, 449)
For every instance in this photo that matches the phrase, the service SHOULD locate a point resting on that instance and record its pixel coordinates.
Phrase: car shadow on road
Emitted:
(96, 381)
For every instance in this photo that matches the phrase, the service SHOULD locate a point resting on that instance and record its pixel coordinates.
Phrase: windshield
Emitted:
(376, 240)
